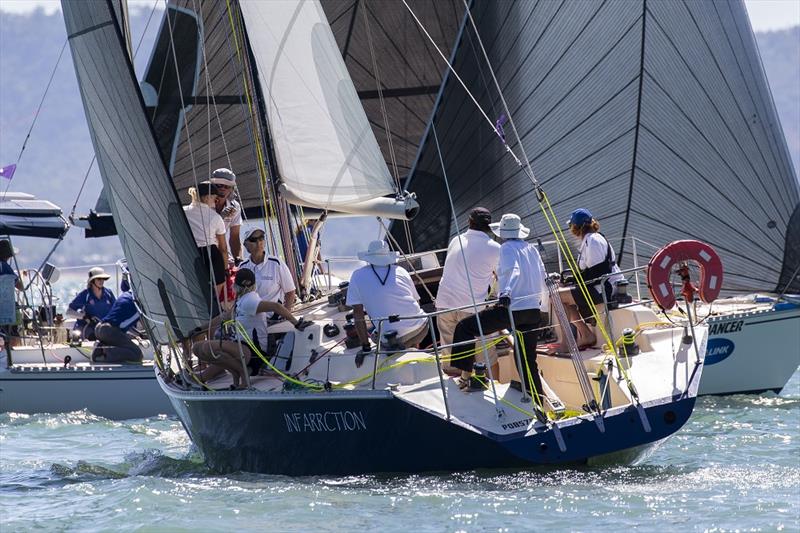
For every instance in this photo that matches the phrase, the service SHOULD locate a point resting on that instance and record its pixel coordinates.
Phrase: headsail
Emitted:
(154, 233)
(656, 116)
(325, 150)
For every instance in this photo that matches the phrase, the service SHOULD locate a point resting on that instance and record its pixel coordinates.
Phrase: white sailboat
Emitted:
(40, 372)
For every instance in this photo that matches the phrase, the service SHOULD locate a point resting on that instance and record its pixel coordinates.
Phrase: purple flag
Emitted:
(7, 172)
(498, 127)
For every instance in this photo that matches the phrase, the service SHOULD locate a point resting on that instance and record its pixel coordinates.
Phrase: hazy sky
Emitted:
(765, 14)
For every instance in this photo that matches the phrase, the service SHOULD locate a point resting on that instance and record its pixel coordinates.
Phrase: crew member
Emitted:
(466, 284)
(383, 289)
(520, 283)
(595, 258)
(230, 210)
(274, 281)
(91, 304)
(112, 332)
(208, 230)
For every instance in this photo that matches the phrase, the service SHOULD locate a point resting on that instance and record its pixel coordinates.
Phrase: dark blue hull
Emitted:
(338, 435)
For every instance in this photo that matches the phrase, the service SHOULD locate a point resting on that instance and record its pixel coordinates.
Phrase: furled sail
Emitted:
(654, 115)
(325, 150)
(164, 262)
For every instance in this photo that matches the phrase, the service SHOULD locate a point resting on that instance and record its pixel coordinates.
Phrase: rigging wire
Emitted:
(39, 108)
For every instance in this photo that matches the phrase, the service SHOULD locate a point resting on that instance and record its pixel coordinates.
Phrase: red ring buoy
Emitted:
(659, 270)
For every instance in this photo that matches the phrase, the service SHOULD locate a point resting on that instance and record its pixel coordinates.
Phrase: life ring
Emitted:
(659, 271)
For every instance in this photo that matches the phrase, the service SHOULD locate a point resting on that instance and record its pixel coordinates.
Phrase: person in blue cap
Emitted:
(596, 258)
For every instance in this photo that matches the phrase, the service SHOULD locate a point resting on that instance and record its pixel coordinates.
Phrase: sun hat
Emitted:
(245, 278)
(481, 217)
(510, 227)
(580, 217)
(97, 273)
(379, 254)
(249, 233)
(6, 250)
(223, 176)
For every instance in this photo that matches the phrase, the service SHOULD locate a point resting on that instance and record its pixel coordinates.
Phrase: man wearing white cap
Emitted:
(520, 284)
(383, 289)
(274, 281)
(229, 209)
(91, 304)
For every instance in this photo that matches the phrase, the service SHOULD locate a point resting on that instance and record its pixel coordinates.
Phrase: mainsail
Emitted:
(158, 244)
(655, 115)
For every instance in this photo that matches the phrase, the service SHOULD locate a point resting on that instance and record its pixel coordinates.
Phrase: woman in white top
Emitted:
(208, 230)
(596, 258)
(250, 312)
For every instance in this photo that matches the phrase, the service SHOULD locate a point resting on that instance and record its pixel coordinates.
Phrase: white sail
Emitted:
(325, 150)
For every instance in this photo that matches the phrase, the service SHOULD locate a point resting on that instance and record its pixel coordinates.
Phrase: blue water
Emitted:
(735, 466)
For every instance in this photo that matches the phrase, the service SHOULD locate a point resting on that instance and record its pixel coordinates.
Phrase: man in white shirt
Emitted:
(469, 270)
(274, 281)
(383, 289)
(230, 210)
(520, 284)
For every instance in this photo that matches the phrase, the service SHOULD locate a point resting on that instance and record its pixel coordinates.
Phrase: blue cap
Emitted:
(580, 217)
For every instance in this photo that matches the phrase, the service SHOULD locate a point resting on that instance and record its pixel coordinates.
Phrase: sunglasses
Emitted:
(224, 186)
(255, 239)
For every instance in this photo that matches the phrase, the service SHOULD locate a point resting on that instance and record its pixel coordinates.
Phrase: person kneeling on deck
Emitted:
(595, 259)
(383, 289)
(520, 282)
(250, 313)
(469, 270)
(112, 332)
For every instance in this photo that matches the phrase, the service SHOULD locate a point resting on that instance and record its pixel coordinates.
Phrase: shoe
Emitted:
(462, 383)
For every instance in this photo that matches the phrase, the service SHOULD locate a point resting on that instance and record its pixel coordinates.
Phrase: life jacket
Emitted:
(604, 267)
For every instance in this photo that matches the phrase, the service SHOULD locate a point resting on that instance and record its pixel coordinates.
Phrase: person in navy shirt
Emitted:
(112, 331)
(94, 302)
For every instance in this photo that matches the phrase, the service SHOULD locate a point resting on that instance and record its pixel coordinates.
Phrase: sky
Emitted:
(765, 15)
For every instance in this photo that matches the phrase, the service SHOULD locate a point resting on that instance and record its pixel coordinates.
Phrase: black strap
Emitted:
(385, 278)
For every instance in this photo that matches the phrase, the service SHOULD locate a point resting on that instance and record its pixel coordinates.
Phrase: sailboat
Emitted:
(657, 117)
(41, 371)
(314, 148)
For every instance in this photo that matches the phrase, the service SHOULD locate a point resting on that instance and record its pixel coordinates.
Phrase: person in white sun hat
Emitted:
(91, 304)
(230, 210)
(383, 289)
(520, 284)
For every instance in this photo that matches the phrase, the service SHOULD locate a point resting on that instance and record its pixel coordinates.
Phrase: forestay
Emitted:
(325, 150)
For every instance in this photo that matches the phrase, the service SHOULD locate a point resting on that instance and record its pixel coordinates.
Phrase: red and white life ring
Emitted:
(659, 271)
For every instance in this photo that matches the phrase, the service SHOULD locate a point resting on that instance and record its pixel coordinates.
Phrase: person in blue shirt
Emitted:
(93, 302)
(112, 332)
(6, 253)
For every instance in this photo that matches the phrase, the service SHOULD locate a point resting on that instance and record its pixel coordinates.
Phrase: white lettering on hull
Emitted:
(327, 421)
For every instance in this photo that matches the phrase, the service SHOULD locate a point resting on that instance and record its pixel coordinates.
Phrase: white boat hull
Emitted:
(38, 381)
(751, 352)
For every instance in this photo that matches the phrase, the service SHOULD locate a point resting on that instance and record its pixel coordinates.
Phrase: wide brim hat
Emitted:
(379, 254)
(97, 273)
(510, 227)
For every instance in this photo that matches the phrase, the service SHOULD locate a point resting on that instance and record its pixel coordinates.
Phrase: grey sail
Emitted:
(167, 272)
(655, 115)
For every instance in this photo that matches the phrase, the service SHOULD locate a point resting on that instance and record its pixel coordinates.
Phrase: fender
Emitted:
(659, 270)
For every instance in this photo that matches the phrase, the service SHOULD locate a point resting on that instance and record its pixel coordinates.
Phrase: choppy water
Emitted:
(734, 467)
